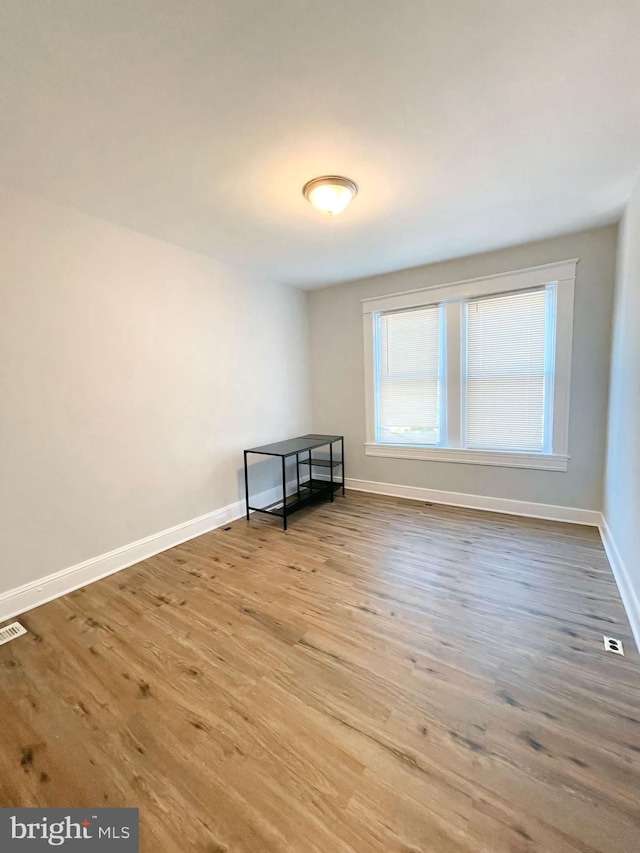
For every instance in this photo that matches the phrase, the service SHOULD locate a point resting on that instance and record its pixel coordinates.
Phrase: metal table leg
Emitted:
(331, 467)
(284, 493)
(246, 483)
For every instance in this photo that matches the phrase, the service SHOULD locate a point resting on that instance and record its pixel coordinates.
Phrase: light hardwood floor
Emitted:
(386, 676)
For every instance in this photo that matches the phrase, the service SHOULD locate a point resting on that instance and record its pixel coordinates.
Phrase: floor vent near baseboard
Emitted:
(611, 644)
(10, 632)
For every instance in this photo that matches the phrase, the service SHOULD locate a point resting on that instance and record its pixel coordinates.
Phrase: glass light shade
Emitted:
(330, 194)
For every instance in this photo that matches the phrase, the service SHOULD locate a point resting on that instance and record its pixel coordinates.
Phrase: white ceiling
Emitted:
(468, 124)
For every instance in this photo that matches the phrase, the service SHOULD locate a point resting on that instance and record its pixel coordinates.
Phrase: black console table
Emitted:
(308, 490)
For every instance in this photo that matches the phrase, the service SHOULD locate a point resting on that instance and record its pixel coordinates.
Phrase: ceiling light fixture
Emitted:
(330, 194)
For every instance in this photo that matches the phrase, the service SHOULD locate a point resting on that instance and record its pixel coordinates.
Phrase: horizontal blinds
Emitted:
(505, 372)
(408, 370)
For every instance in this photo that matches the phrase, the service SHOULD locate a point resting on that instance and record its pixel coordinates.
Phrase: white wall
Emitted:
(132, 375)
(338, 375)
(622, 482)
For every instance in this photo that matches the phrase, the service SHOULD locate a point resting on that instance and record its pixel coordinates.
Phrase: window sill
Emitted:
(503, 459)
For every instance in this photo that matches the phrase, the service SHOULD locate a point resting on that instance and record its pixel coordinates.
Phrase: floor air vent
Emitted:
(10, 632)
(613, 645)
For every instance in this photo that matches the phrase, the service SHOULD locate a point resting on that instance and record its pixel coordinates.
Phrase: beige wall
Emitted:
(338, 377)
(132, 375)
(622, 482)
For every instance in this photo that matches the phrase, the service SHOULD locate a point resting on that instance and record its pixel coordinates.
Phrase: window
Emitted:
(475, 371)
(408, 388)
(505, 377)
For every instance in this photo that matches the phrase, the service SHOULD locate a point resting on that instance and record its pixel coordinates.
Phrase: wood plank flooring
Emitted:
(386, 676)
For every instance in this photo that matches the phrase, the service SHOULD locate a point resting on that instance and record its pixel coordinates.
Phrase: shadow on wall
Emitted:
(265, 475)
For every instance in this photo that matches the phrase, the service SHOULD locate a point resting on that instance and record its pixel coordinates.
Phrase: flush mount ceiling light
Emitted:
(330, 194)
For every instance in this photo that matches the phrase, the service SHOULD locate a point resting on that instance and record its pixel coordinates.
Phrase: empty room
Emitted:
(319, 426)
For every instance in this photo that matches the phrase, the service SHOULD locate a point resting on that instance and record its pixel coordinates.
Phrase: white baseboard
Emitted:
(33, 594)
(593, 518)
(30, 595)
(505, 505)
(623, 580)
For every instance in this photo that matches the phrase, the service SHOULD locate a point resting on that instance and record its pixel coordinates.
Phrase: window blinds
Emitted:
(505, 371)
(408, 368)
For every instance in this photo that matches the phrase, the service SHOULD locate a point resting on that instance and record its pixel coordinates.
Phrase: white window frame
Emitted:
(560, 277)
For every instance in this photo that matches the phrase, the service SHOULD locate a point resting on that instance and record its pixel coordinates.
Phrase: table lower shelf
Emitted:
(322, 463)
(309, 491)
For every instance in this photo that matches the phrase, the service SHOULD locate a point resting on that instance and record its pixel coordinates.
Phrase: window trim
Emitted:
(561, 274)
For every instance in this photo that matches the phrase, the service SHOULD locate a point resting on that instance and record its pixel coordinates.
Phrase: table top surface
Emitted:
(291, 446)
